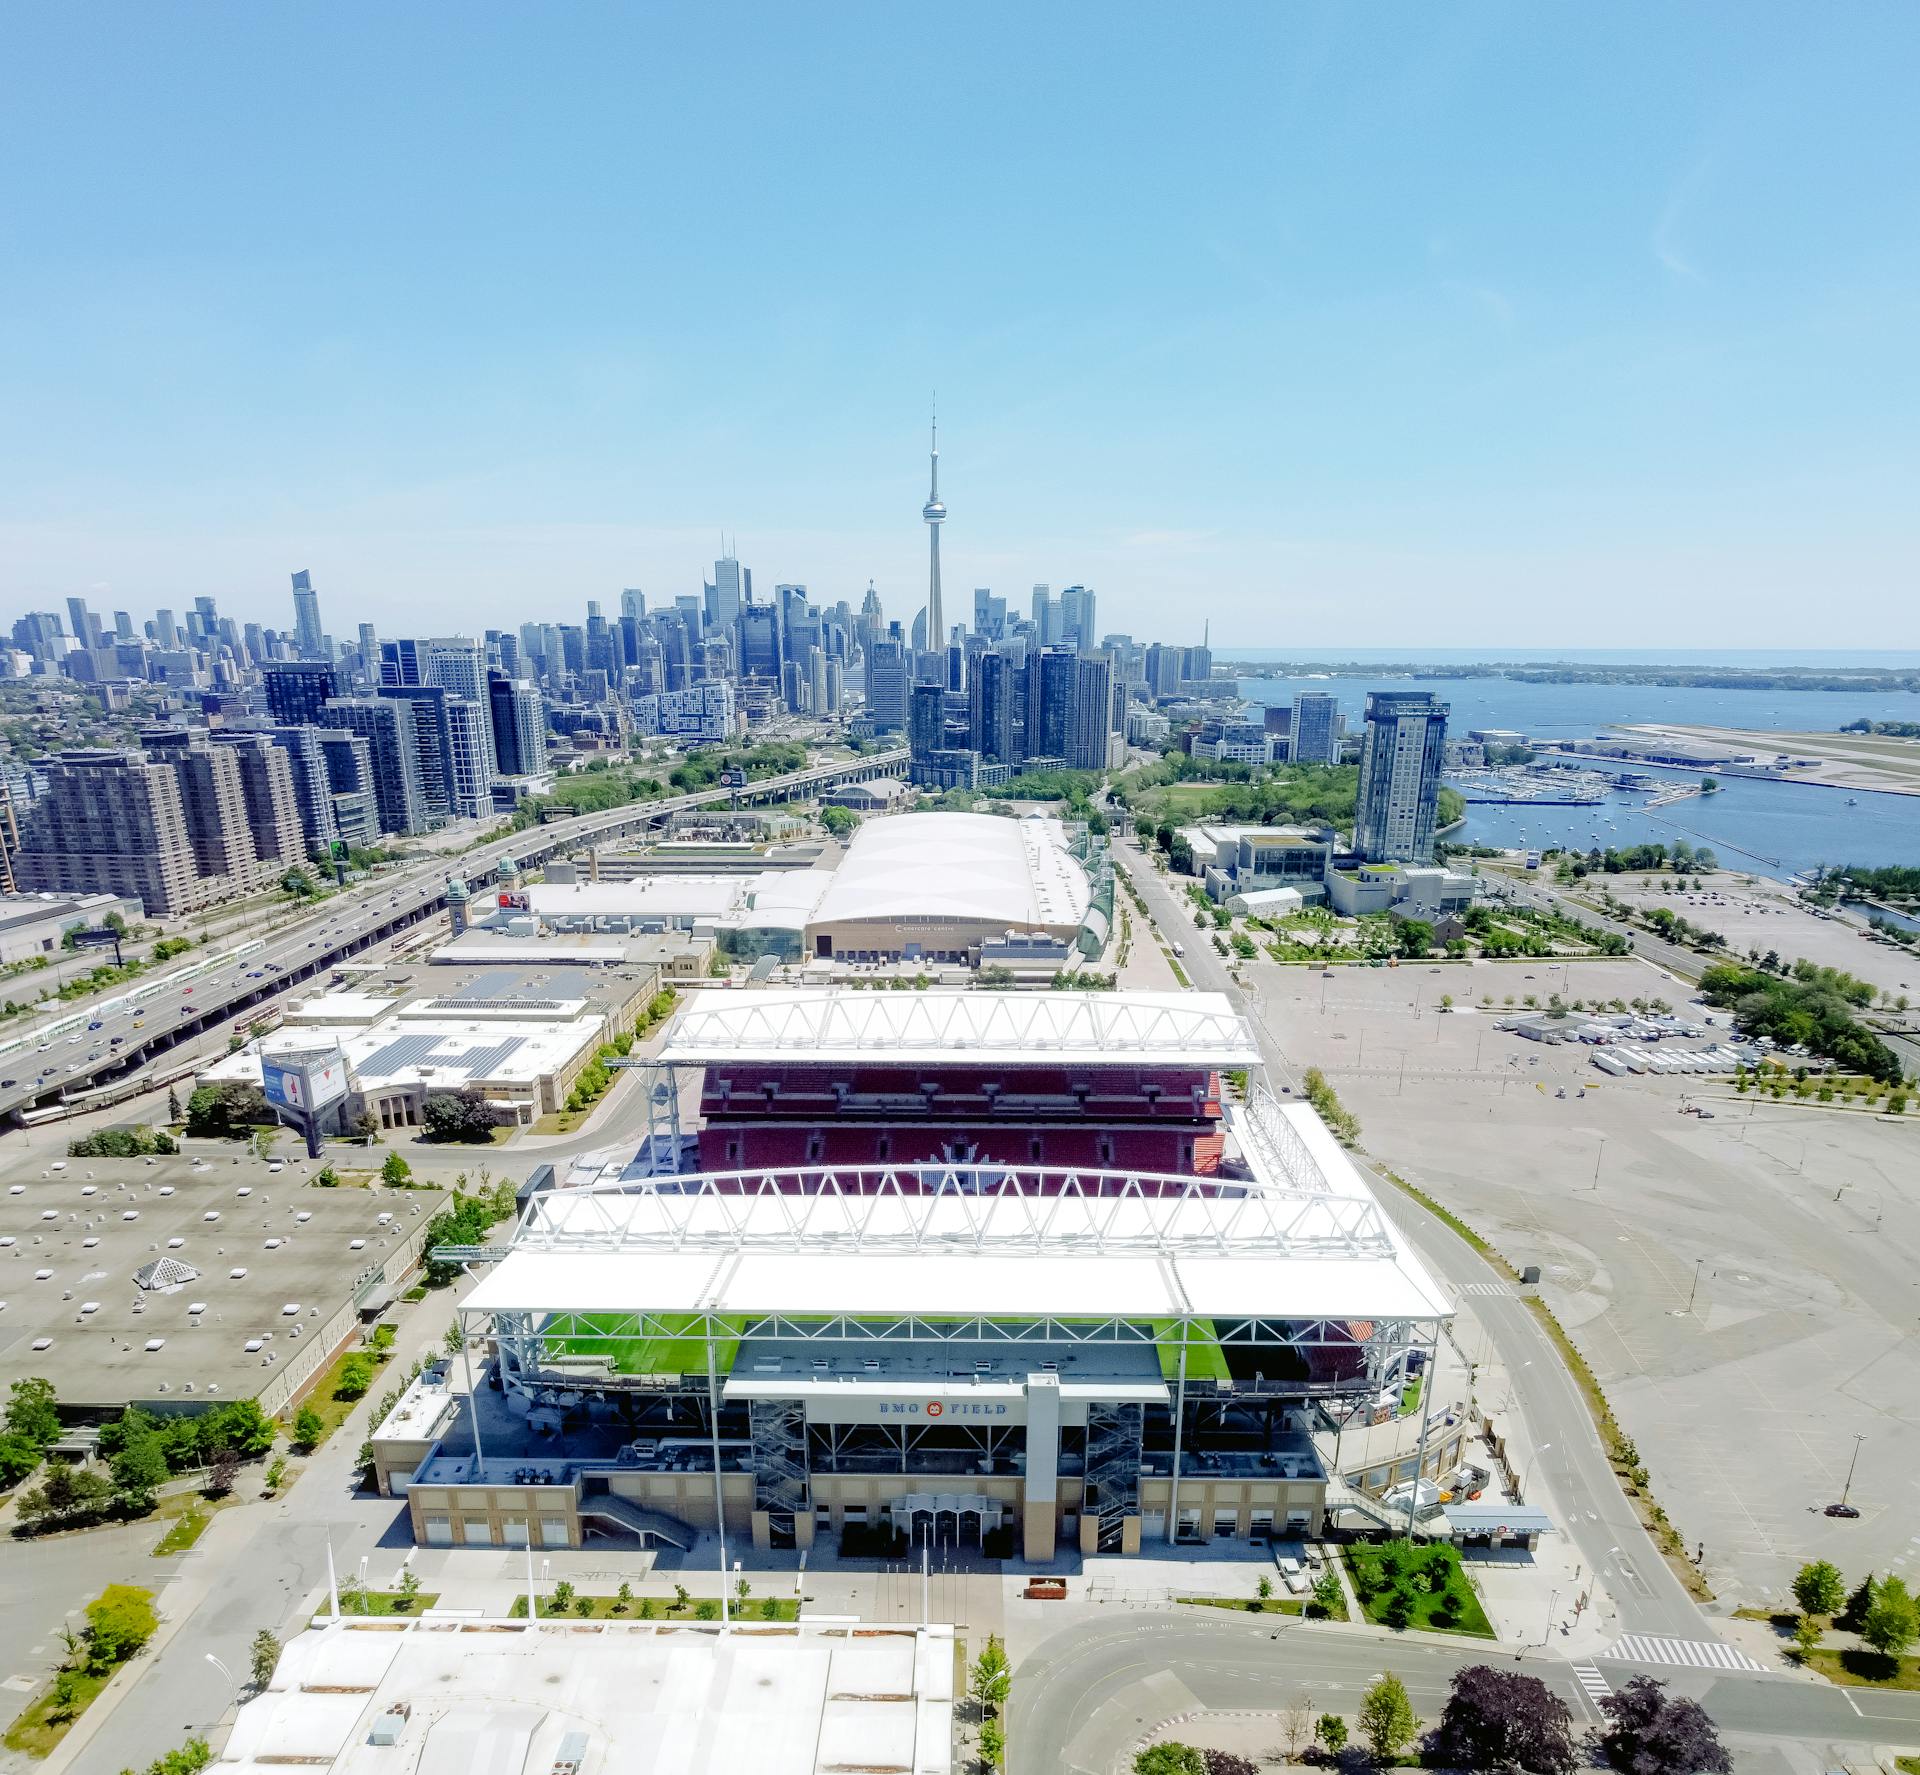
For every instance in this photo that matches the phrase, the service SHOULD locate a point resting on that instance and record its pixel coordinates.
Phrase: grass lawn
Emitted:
(187, 1528)
(1365, 1564)
(1409, 1398)
(43, 1722)
(1205, 1362)
(1857, 1667)
(385, 1602)
(333, 1411)
(647, 1355)
(564, 1121)
(1781, 1621)
(662, 1608)
(1249, 1605)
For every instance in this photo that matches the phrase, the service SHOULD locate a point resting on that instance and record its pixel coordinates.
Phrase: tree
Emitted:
(67, 1494)
(562, 1597)
(32, 1414)
(1806, 1636)
(308, 1427)
(1386, 1718)
(1326, 1592)
(1650, 1732)
(457, 1116)
(265, 1656)
(1227, 1762)
(1169, 1759)
(1415, 936)
(120, 1620)
(1332, 1733)
(223, 1468)
(356, 1376)
(139, 1470)
(991, 1676)
(1296, 1726)
(993, 1744)
(18, 1458)
(395, 1171)
(1498, 1719)
(409, 1587)
(1264, 1588)
(1819, 1589)
(1892, 1622)
(839, 820)
(1398, 1612)
(623, 1598)
(240, 1424)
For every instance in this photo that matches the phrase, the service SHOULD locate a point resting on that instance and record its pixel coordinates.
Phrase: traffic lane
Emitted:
(430, 890)
(1595, 1514)
(1572, 1466)
(1088, 1693)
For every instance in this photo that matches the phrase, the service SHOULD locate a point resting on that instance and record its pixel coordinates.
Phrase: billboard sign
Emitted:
(304, 1082)
(95, 939)
(516, 901)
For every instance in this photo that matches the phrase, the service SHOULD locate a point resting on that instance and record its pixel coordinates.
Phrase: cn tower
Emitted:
(935, 514)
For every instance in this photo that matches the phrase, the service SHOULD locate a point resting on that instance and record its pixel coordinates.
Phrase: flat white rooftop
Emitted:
(1010, 874)
(500, 1697)
(429, 1047)
(1186, 1029)
(645, 896)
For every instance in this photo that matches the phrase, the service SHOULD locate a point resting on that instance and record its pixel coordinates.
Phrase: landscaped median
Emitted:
(563, 1602)
(596, 1077)
(120, 1621)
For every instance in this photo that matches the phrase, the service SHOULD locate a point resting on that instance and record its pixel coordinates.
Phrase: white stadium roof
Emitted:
(1005, 873)
(830, 1024)
(1303, 1239)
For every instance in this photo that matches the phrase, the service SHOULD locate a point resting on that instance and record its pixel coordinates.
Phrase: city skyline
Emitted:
(1363, 319)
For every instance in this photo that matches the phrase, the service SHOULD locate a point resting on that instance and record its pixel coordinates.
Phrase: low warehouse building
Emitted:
(175, 1284)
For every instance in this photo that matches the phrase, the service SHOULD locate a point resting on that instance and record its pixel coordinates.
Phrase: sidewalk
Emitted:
(251, 1546)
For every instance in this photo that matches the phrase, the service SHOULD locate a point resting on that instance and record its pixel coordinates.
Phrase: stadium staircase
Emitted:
(1343, 1498)
(1113, 1469)
(779, 1431)
(650, 1525)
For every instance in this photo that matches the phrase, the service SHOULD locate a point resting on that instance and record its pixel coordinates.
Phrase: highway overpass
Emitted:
(113, 1036)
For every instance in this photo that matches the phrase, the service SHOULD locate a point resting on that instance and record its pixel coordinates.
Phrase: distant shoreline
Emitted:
(1841, 678)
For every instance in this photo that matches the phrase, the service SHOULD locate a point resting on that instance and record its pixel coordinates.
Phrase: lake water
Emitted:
(1769, 828)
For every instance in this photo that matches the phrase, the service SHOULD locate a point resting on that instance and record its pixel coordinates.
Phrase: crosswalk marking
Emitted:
(1596, 1685)
(1493, 1288)
(1703, 1654)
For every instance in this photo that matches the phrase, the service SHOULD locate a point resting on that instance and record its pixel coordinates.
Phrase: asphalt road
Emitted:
(255, 1567)
(1090, 1692)
(1566, 1454)
(132, 1031)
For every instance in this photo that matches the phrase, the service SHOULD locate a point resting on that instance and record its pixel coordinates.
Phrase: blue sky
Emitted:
(1504, 325)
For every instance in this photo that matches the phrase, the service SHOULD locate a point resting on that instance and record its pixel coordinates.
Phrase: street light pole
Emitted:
(1698, 1262)
(1845, 1489)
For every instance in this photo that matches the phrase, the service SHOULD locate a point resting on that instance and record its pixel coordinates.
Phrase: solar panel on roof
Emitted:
(439, 1051)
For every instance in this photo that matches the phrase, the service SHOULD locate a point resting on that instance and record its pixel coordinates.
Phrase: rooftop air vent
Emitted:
(164, 1275)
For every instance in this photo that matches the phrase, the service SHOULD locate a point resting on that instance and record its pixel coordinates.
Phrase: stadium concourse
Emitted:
(967, 1316)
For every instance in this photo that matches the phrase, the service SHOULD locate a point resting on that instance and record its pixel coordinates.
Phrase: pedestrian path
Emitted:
(1596, 1685)
(1702, 1654)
